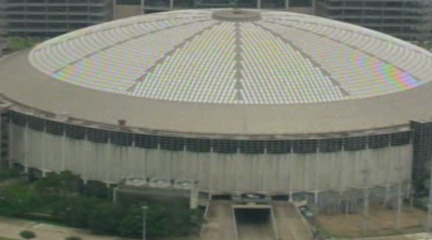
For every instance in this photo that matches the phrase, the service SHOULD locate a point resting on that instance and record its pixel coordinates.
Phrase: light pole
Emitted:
(144, 209)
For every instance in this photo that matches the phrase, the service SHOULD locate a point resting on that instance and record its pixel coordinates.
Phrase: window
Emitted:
(278, 146)
(146, 141)
(225, 146)
(378, 141)
(171, 143)
(198, 145)
(305, 146)
(355, 143)
(330, 145)
(55, 128)
(36, 123)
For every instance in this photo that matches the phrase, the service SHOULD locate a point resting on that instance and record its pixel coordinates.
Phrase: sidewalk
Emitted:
(10, 228)
(414, 236)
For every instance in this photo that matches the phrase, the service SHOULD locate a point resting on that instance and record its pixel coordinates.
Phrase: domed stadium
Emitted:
(239, 101)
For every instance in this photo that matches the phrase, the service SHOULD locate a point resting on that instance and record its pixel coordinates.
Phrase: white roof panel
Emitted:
(191, 56)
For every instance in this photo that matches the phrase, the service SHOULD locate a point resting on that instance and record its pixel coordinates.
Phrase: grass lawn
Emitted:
(1, 238)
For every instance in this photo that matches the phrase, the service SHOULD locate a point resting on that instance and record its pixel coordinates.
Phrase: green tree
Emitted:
(104, 217)
(131, 224)
(73, 238)
(74, 211)
(27, 234)
(19, 43)
(62, 184)
(97, 189)
(158, 221)
(16, 199)
(8, 173)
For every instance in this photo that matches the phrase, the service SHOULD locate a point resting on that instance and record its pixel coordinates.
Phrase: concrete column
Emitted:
(365, 211)
(387, 194)
(316, 195)
(346, 207)
(171, 4)
(238, 170)
(142, 6)
(287, 4)
(429, 212)
(410, 195)
(314, 7)
(261, 166)
(340, 201)
(159, 159)
(10, 138)
(407, 193)
(84, 164)
(290, 194)
(193, 203)
(3, 129)
(210, 187)
(290, 174)
(183, 175)
(43, 152)
(132, 164)
(399, 207)
(259, 4)
(316, 171)
(2, 161)
(114, 7)
(63, 150)
(26, 144)
(115, 191)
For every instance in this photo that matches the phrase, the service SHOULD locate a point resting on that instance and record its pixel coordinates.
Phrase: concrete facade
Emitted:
(124, 11)
(219, 166)
(47, 18)
(407, 19)
(125, 7)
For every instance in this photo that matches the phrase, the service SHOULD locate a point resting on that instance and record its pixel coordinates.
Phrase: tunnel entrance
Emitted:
(254, 222)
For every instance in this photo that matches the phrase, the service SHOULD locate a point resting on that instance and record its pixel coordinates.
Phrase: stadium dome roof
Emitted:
(215, 71)
(234, 57)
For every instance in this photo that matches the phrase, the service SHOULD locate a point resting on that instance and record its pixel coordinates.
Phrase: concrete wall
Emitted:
(124, 11)
(3, 45)
(304, 10)
(273, 173)
(23, 18)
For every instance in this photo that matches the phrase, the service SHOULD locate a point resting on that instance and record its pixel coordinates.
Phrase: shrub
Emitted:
(73, 238)
(27, 234)
(8, 173)
(19, 43)
(17, 199)
(97, 189)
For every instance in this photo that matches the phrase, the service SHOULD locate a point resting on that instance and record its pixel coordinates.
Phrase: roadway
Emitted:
(220, 224)
(289, 223)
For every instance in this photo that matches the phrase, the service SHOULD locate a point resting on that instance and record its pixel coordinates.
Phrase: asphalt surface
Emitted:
(10, 228)
(220, 222)
(258, 231)
(289, 223)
